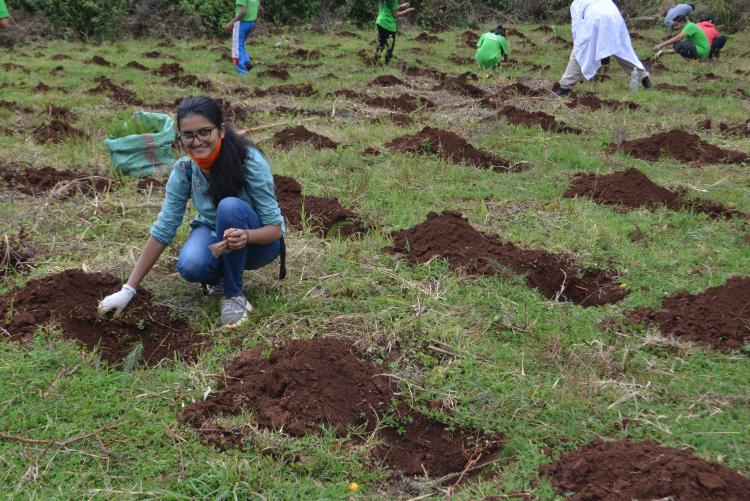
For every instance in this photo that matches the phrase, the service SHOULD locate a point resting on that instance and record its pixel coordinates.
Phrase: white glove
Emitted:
(117, 301)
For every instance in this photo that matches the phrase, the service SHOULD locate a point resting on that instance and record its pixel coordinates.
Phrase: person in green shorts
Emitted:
(490, 47)
(388, 11)
(243, 23)
(4, 15)
(691, 43)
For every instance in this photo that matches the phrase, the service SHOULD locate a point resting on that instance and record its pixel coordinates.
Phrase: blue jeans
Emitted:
(197, 264)
(240, 32)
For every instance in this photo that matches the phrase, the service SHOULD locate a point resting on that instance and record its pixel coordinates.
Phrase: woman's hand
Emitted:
(117, 301)
(236, 239)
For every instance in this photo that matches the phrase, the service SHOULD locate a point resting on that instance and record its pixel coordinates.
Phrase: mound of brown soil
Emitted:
(560, 40)
(405, 102)
(56, 131)
(632, 189)
(520, 89)
(718, 317)
(71, 298)
(593, 102)
(280, 73)
(401, 119)
(66, 183)
(349, 93)
(708, 76)
(653, 65)
(154, 54)
(236, 113)
(387, 81)
(324, 215)
(15, 253)
(168, 70)
(366, 57)
(451, 146)
(469, 39)
(117, 93)
(518, 116)
(101, 61)
(307, 384)
(285, 110)
(425, 37)
(14, 106)
(450, 236)
(306, 55)
(42, 87)
(137, 66)
(742, 129)
(681, 145)
(298, 90)
(414, 71)
(460, 84)
(627, 470)
(293, 136)
(192, 81)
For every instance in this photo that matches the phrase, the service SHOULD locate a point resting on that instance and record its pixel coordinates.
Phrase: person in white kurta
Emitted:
(599, 32)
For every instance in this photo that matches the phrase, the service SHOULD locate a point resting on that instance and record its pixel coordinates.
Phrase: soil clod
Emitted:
(405, 102)
(293, 136)
(387, 81)
(137, 66)
(116, 92)
(56, 131)
(518, 116)
(425, 37)
(101, 61)
(298, 90)
(681, 145)
(64, 183)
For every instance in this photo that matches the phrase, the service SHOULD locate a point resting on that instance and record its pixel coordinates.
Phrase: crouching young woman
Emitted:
(231, 187)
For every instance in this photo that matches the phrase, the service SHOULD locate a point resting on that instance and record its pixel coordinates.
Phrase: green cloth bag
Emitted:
(140, 155)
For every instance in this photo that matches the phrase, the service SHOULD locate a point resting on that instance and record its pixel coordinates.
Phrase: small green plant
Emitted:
(134, 358)
(138, 125)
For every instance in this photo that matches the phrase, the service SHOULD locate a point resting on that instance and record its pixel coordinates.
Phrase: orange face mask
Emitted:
(205, 163)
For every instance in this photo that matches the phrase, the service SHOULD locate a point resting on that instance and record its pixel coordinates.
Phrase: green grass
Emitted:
(545, 375)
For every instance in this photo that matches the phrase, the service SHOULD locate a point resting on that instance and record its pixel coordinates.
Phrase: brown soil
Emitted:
(61, 57)
(136, 65)
(718, 317)
(632, 189)
(66, 183)
(401, 119)
(520, 89)
(117, 93)
(414, 71)
(469, 39)
(349, 93)
(192, 81)
(61, 112)
(461, 85)
(236, 113)
(405, 102)
(42, 87)
(324, 215)
(15, 253)
(593, 102)
(168, 70)
(154, 54)
(58, 70)
(627, 470)
(71, 298)
(12, 66)
(518, 116)
(101, 61)
(147, 184)
(366, 57)
(280, 73)
(371, 151)
(461, 60)
(450, 146)
(306, 55)
(543, 29)
(56, 131)
(678, 88)
(450, 236)
(347, 34)
(292, 136)
(681, 145)
(14, 106)
(425, 37)
(742, 129)
(653, 65)
(387, 81)
(324, 382)
(708, 76)
(299, 90)
(285, 110)
(560, 40)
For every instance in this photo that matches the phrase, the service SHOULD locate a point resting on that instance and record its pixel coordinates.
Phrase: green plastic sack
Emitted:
(140, 155)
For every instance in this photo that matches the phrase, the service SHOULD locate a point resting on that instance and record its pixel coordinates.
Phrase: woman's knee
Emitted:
(235, 212)
(193, 268)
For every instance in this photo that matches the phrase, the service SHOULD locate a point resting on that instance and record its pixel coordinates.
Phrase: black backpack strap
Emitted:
(282, 260)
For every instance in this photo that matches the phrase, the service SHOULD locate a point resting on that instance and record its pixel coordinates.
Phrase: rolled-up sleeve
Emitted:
(261, 189)
(173, 208)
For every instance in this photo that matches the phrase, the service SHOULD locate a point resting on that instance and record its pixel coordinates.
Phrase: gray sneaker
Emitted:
(235, 311)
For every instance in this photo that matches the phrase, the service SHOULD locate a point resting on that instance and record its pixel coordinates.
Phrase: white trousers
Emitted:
(573, 73)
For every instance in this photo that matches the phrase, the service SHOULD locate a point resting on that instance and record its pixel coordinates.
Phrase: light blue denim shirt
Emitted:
(258, 193)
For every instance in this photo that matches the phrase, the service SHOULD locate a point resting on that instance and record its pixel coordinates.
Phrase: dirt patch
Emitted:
(298, 90)
(450, 146)
(324, 215)
(405, 102)
(64, 183)
(15, 253)
(388, 81)
(137, 66)
(461, 85)
(707, 77)
(42, 87)
(677, 88)
(286, 110)
(61, 112)
(366, 58)
(595, 103)
(741, 129)
(307, 384)
(632, 189)
(56, 131)
(653, 65)
(371, 151)
(101, 61)
(142, 323)
(236, 113)
(460, 60)
(306, 55)
(469, 39)
(14, 106)
(280, 73)
(425, 37)
(681, 145)
(518, 116)
(347, 34)
(627, 470)
(168, 70)
(292, 136)
(414, 71)
(12, 66)
(348, 93)
(555, 276)
(718, 317)
(154, 54)
(61, 57)
(401, 119)
(147, 184)
(192, 81)
(543, 29)
(560, 40)
(116, 92)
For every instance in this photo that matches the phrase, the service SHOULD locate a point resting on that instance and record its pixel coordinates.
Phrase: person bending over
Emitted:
(681, 9)
(229, 182)
(490, 47)
(243, 23)
(690, 43)
(388, 11)
(599, 32)
(715, 40)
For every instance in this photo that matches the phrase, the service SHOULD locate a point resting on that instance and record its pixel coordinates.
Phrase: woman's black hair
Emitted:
(499, 30)
(227, 175)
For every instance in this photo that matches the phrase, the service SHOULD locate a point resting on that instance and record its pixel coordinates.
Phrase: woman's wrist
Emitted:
(247, 233)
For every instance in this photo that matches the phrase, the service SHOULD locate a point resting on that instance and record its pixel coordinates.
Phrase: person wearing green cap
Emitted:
(490, 47)
(4, 15)
(388, 11)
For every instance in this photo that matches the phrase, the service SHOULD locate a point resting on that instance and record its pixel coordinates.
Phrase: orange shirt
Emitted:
(709, 30)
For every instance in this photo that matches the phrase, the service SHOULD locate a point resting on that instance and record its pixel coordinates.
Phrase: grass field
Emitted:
(501, 357)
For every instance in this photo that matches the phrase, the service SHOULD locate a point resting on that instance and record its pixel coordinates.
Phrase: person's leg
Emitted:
(382, 41)
(627, 67)
(572, 75)
(389, 52)
(686, 49)
(246, 27)
(717, 46)
(195, 262)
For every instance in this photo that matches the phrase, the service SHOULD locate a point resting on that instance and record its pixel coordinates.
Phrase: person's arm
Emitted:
(237, 238)
(240, 15)
(149, 255)
(403, 9)
(672, 40)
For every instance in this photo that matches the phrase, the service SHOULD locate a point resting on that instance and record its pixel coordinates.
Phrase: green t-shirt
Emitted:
(698, 37)
(3, 10)
(386, 19)
(252, 9)
(489, 49)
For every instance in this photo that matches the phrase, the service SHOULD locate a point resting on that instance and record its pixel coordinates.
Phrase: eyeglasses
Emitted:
(203, 134)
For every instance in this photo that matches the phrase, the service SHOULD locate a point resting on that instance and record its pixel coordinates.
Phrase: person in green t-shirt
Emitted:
(4, 15)
(490, 47)
(691, 43)
(388, 11)
(243, 23)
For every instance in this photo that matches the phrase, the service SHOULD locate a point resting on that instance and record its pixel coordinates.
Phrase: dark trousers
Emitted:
(384, 36)
(717, 46)
(686, 49)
